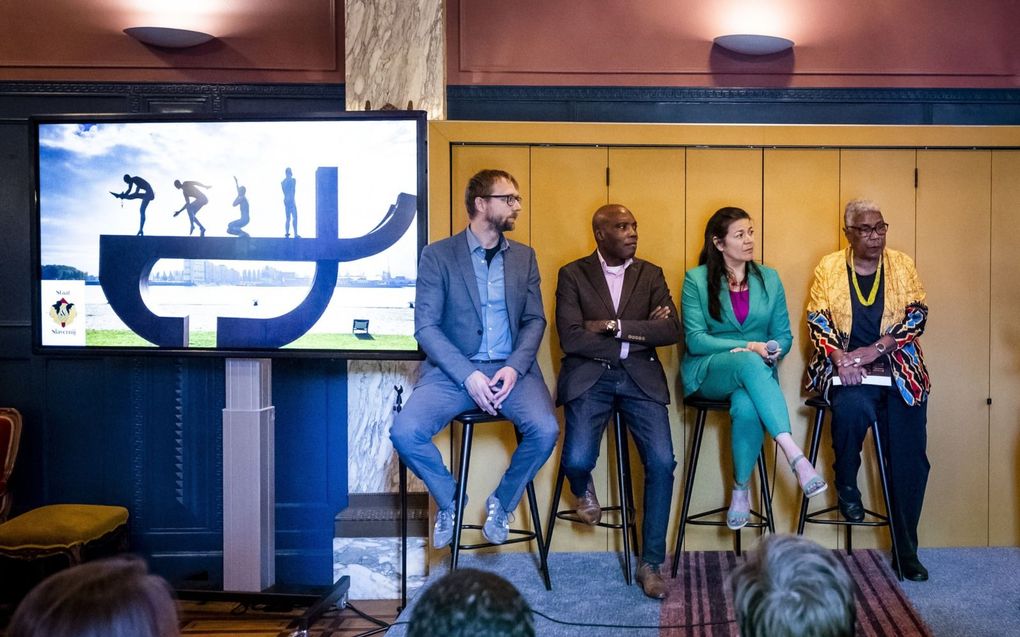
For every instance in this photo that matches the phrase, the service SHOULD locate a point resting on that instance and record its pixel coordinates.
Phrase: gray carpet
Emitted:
(973, 592)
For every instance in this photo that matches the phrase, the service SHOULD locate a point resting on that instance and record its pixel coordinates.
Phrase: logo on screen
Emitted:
(63, 312)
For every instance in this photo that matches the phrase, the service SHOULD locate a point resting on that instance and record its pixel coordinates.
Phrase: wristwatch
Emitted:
(611, 326)
(880, 346)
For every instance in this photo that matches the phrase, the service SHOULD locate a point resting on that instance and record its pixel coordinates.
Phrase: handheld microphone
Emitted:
(772, 348)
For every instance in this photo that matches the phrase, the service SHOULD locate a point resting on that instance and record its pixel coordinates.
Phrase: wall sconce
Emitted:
(168, 38)
(753, 44)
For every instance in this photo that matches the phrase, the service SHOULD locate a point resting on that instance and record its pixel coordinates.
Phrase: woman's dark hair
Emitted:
(116, 597)
(717, 228)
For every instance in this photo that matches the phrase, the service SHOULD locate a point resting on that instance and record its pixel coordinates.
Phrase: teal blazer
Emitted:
(705, 337)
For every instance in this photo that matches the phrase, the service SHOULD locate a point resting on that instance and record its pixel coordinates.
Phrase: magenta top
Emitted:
(741, 304)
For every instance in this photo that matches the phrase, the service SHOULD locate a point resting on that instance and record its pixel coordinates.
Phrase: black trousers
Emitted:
(904, 441)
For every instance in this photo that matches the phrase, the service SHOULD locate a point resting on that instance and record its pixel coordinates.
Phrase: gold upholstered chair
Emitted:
(10, 435)
(49, 538)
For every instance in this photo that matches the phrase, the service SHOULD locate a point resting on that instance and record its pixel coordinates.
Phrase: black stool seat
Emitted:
(469, 419)
(821, 405)
(625, 494)
(764, 519)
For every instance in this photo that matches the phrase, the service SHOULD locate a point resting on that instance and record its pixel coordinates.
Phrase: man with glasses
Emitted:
(867, 311)
(478, 316)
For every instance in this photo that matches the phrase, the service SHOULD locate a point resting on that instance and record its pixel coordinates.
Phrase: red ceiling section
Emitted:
(669, 43)
(863, 43)
(257, 41)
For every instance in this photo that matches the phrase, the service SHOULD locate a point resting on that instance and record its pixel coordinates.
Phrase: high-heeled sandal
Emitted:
(814, 484)
(737, 519)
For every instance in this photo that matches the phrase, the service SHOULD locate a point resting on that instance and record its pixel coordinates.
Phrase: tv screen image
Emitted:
(246, 236)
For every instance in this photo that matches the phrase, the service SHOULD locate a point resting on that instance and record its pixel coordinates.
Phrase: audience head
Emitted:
(481, 184)
(115, 597)
(471, 603)
(792, 587)
(615, 230)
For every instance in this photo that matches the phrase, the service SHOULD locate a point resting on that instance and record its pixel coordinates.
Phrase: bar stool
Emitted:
(625, 493)
(765, 520)
(821, 405)
(469, 419)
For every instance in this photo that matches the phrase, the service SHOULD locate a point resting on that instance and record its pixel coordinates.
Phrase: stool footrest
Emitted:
(696, 519)
(570, 515)
(814, 518)
(522, 536)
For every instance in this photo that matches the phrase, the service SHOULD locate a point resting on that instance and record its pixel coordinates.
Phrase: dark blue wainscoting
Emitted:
(311, 465)
(903, 106)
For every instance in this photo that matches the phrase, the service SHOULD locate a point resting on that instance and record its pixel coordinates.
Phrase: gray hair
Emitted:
(115, 597)
(855, 207)
(792, 587)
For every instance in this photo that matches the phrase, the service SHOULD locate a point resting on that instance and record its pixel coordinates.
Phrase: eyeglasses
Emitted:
(866, 231)
(509, 199)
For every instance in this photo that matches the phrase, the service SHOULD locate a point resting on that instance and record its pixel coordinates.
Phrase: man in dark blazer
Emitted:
(612, 311)
(478, 315)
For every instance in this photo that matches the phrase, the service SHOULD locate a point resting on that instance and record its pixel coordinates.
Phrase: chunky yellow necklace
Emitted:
(874, 286)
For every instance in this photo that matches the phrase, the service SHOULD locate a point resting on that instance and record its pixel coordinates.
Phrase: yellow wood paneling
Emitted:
(1004, 433)
(716, 177)
(468, 160)
(953, 238)
(887, 178)
(650, 181)
(800, 195)
(766, 135)
(568, 185)
(949, 229)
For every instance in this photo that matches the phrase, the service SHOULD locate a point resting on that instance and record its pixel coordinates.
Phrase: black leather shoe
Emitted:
(913, 570)
(850, 506)
(852, 510)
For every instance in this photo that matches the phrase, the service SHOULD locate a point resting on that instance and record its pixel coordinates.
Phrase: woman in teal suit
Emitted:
(731, 308)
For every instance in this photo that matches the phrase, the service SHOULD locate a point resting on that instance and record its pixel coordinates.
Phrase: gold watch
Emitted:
(880, 346)
(611, 326)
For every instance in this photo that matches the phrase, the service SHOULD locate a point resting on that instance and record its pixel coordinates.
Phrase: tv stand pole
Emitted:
(249, 499)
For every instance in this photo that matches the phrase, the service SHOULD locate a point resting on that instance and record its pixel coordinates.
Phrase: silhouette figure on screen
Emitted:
(194, 199)
(289, 184)
(234, 227)
(137, 188)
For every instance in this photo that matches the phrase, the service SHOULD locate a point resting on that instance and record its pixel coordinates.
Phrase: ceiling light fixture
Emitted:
(753, 43)
(168, 38)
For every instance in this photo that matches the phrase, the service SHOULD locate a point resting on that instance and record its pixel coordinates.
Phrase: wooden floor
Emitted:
(229, 619)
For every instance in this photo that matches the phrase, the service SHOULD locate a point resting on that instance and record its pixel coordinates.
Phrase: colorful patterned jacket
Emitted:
(830, 317)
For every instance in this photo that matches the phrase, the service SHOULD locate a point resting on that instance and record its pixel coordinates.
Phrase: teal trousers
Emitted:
(756, 401)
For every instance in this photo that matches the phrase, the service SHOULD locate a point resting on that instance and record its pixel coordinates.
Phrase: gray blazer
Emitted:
(448, 313)
(582, 294)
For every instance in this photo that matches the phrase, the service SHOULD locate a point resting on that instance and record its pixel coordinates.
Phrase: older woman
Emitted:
(867, 305)
(731, 308)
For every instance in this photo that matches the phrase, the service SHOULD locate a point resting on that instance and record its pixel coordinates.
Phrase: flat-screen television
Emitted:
(240, 236)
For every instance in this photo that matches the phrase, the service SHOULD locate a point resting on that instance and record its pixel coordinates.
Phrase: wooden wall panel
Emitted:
(796, 197)
(650, 181)
(468, 160)
(953, 235)
(801, 190)
(715, 178)
(568, 185)
(887, 178)
(1004, 432)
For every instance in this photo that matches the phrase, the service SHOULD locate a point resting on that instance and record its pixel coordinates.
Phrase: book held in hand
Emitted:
(876, 372)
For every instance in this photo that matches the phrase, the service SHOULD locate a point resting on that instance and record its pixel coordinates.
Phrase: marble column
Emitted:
(395, 53)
